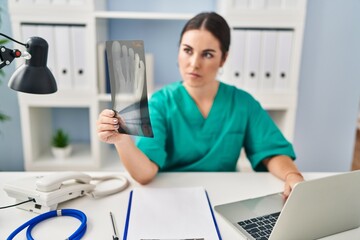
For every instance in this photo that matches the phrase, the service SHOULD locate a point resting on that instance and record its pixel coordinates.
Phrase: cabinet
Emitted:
(75, 107)
(265, 55)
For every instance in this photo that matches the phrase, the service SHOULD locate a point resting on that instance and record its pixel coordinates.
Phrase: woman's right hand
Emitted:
(107, 126)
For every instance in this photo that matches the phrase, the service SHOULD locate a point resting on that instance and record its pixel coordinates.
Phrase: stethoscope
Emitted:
(78, 234)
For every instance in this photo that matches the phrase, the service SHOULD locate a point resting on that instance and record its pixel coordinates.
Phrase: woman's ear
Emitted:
(223, 60)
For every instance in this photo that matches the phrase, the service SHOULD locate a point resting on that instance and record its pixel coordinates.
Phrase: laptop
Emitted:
(314, 209)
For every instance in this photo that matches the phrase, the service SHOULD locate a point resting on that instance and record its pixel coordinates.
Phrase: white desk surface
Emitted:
(221, 187)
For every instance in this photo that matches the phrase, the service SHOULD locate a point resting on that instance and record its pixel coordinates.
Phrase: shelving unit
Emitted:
(276, 16)
(39, 113)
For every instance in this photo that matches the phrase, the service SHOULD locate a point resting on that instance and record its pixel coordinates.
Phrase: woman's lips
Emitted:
(194, 75)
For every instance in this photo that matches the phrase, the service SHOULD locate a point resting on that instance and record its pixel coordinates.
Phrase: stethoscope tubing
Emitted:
(77, 235)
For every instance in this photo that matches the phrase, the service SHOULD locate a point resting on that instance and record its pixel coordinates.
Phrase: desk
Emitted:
(221, 187)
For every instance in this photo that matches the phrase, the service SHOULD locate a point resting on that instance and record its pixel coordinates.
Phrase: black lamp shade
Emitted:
(34, 76)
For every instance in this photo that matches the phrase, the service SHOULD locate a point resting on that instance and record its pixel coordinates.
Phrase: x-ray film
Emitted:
(126, 61)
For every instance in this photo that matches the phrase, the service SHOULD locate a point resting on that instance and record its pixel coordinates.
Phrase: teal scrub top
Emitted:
(186, 141)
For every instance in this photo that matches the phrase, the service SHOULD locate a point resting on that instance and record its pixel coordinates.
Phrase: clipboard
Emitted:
(170, 213)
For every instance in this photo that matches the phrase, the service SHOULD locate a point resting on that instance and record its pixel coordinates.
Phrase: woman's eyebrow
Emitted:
(186, 45)
(209, 50)
(205, 50)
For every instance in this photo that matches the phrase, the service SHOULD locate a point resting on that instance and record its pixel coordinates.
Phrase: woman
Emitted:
(200, 124)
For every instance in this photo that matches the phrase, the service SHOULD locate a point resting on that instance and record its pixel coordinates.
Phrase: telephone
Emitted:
(47, 191)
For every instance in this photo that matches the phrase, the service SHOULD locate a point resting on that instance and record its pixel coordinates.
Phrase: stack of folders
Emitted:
(170, 213)
(260, 59)
(67, 52)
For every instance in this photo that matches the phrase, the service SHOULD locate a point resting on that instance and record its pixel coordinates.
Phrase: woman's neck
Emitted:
(203, 96)
(203, 93)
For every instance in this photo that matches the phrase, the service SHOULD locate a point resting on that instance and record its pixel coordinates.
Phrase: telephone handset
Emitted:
(53, 182)
(48, 191)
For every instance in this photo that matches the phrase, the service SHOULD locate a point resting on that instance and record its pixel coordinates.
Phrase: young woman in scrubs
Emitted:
(200, 123)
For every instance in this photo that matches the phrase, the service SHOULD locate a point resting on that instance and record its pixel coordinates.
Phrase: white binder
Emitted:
(236, 58)
(257, 4)
(291, 3)
(77, 2)
(252, 59)
(101, 67)
(274, 4)
(47, 32)
(267, 63)
(78, 54)
(59, 2)
(63, 57)
(26, 1)
(240, 4)
(27, 31)
(42, 1)
(283, 59)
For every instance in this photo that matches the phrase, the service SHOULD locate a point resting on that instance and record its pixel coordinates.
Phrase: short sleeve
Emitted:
(263, 139)
(154, 148)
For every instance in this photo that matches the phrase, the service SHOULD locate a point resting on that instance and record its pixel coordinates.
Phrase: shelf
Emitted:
(275, 101)
(142, 15)
(80, 159)
(106, 97)
(58, 99)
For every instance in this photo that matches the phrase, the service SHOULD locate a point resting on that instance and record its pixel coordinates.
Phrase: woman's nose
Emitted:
(195, 61)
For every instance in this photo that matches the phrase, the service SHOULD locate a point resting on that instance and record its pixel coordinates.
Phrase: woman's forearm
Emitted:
(281, 166)
(284, 168)
(140, 167)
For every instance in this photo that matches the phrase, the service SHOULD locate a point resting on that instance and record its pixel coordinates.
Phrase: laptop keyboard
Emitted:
(260, 227)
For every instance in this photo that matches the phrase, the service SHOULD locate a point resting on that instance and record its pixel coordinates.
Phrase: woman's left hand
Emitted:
(290, 181)
(284, 168)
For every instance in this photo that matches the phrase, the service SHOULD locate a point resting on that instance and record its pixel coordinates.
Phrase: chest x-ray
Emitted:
(126, 61)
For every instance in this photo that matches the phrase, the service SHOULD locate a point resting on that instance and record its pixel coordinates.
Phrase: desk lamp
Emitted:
(33, 76)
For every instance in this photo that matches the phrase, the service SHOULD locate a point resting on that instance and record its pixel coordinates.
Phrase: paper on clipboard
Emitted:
(170, 213)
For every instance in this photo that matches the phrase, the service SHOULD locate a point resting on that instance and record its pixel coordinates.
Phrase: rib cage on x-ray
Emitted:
(126, 61)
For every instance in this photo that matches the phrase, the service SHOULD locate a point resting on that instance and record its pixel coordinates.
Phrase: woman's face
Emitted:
(199, 57)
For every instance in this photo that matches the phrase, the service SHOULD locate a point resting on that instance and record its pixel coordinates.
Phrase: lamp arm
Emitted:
(6, 36)
(7, 55)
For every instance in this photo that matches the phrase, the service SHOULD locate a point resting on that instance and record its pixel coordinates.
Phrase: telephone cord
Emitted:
(96, 193)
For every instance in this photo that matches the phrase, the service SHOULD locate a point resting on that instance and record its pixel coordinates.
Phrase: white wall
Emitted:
(329, 92)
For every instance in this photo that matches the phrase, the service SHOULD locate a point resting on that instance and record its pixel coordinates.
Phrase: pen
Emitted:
(115, 236)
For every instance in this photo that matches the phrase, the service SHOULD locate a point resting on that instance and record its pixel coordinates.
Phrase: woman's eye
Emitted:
(207, 55)
(187, 50)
